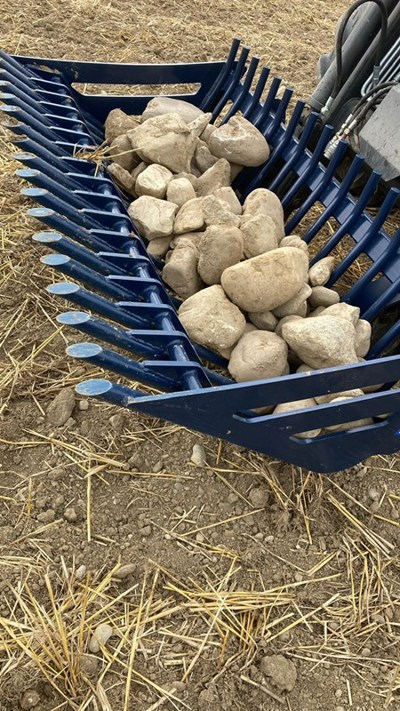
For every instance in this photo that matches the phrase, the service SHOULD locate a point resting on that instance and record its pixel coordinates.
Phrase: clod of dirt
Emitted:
(259, 497)
(295, 306)
(70, 515)
(342, 310)
(264, 320)
(220, 247)
(321, 271)
(299, 405)
(190, 217)
(321, 342)
(264, 202)
(153, 217)
(265, 282)
(217, 212)
(118, 123)
(281, 671)
(46, 516)
(240, 142)
(164, 105)
(199, 457)
(321, 296)
(29, 699)
(117, 422)
(363, 338)
(61, 408)
(100, 637)
(218, 176)
(180, 272)
(294, 241)
(153, 181)
(258, 355)
(212, 320)
(180, 191)
(124, 571)
(89, 666)
(259, 234)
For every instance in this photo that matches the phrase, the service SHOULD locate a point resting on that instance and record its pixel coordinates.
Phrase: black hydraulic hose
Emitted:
(385, 86)
(339, 41)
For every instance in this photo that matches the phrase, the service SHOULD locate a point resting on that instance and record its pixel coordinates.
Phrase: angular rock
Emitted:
(229, 196)
(197, 126)
(280, 670)
(264, 320)
(295, 304)
(299, 405)
(220, 247)
(123, 179)
(203, 157)
(319, 310)
(258, 355)
(117, 123)
(264, 202)
(153, 217)
(363, 337)
(165, 140)
(321, 271)
(153, 181)
(190, 217)
(61, 408)
(348, 425)
(235, 170)
(121, 152)
(217, 212)
(207, 133)
(282, 321)
(321, 342)
(191, 237)
(159, 246)
(265, 282)
(239, 142)
(259, 234)
(165, 105)
(328, 397)
(218, 176)
(321, 296)
(343, 310)
(294, 241)
(180, 272)
(193, 180)
(138, 169)
(180, 191)
(212, 320)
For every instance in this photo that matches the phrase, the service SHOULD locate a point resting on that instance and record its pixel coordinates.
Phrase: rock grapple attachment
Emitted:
(116, 285)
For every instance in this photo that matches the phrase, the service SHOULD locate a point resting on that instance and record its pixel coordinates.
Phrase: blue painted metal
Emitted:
(128, 306)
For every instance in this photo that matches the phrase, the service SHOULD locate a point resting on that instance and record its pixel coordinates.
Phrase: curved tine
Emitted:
(378, 348)
(254, 104)
(273, 122)
(245, 89)
(312, 165)
(267, 106)
(346, 226)
(210, 96)
(372, 231)
(338, 191)
(382, 301)
(297, 149)
(232, 83)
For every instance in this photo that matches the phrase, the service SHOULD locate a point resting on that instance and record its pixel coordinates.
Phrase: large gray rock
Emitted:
(296, 305)
(239, 142)
(258, 355)
(153, 181)
(118, 123)
(217, 212)
(165, 105)
(321, 271)
(220, 247)
(265, 282)
(343, 310)
(180, 191)
(180, 272)
(166, 140)
(363, 337)
(190, 217)
(123, 179)
(153, 217)
(299, 405)
(321, 342)
(212, 320)
(218, 176)
(264, 202)
(321, 296)
(121, 152)
(259, 234)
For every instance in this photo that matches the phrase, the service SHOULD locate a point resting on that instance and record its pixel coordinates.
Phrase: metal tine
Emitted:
(75, 181)
(350, 221)
(33, 99)
(242, 96)
(207, 102)
(55, 131)
(336, 192)
(382, 300)
(39, 167)
(292, 155)
(384, 342)
(266, 107)
(90, 239)
(254, 106)
(13, 80)
(35, 143)
(232, 83)
(311, 169)
(71, 268)
(90, 259)
(83, 217)
(272, 122)
(109, 360)
(69, 194)
(47, 119)
(372, 230)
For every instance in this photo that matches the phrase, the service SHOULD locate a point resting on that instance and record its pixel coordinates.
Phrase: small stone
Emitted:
(259, 497)
(100, 637)
(258, 355)
(145, 531)
(264, 202)
(29, 699)
(321, 342)
(200, 538)
(80, 572)
(321, 296)
(365, 652)
(61, 408)
(375, 506)
(373, 493)
(338, 693)
(299, 405)
(158, 466)
(46, 516)
(198, 124)
(321, 271)
(70, 515)
(291, 307)
(363, 338)
(232, 498)
(153, 181)
(180, 271)
(280, 670)
(88, 665)
(199, 457)
(190, 217)
(294, 241)
(153, 217)
(203, 157)
(264, 320)
(259, 234)
(122, 178)
(180, 191)
(118, 123)
(121, 152)
(117, 422)
(217, 212)
(83, 405)
(240, 142)
(218, 176)
(164, 105)
(220, 247)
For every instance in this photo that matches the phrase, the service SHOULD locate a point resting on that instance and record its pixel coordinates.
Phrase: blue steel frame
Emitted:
(127, 305)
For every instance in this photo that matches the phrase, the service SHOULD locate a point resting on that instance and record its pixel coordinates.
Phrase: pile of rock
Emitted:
(248, 291)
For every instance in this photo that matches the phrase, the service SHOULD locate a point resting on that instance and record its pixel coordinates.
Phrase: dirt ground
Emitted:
(231, 563)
